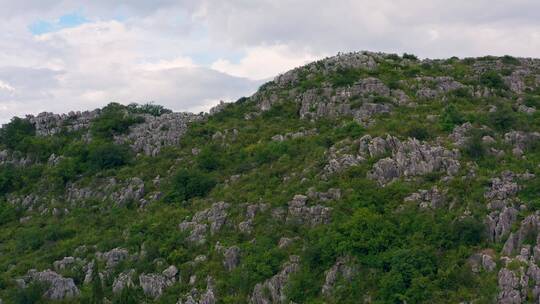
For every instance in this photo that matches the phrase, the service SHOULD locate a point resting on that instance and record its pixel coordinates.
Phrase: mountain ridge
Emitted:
(362, 177)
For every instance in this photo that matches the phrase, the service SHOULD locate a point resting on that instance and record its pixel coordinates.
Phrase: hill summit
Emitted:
(360, 178)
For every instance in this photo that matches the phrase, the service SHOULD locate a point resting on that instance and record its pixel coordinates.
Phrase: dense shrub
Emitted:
(148, 108)
(493, 80)
(450, 117)
(503, 119)
(15, 135)
(103, 155)
(187, 184)
(419, 132)
(474, 147)
(410, 56)
(113, 119)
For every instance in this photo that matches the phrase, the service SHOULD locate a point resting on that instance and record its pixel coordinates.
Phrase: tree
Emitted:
(187, 184)
(97, 286)
(15, 134)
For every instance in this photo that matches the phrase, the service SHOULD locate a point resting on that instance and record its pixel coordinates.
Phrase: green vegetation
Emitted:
(401, 251)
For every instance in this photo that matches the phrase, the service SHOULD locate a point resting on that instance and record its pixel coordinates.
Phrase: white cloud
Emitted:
(187, 54)
(264, 62)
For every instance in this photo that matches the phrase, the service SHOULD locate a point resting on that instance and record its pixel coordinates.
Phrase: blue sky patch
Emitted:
(64, 21)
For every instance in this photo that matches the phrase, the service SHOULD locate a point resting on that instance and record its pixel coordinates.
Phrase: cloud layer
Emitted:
(60, 55)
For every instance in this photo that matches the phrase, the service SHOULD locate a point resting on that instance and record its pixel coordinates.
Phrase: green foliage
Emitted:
(187, 184)
(450, 117)
(474, 147)
(103, 155)
(97, 286)
(507, 59)
(410, 57)
(493, 80)
(32, 294)
(16, 134)
(148, 108)
(418, 131)
(503, 119)
(345, 77)
(113, 119)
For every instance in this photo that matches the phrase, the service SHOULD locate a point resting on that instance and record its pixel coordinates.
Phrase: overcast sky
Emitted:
(187, 55)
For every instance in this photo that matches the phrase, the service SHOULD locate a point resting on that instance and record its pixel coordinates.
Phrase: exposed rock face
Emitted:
(157, 132)
(331, 194)
(302, 214)
(432, 198)
(294, 135)
(50, 123)
(501, 200)
(459, 134)
(14, 158)
(482, 261)
(409, 158)
(197, 297)
(251, 211)
(216, 217)
(343, 269)
(125, 279)
(59, 287)
(273, 289)
(114, 256)
(432, 87)
(231, 258)
(67, 263)
(356, 100)
(121, 193)
(521, 140)
(154, 285)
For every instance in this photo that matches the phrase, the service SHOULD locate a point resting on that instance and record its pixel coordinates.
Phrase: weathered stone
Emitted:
(231, 258)
(302, 214)
(154, 285)
(273, 289)
(343, 268)
(124, 280)
(59, 288)
(115, 256)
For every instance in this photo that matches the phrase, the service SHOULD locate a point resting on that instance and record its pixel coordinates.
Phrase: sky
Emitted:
(58, 55)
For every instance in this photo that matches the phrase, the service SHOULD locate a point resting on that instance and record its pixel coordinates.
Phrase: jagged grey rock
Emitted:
(231, 258)
(343, 268)
(59, 288)
(273, 289)
(300, 213)
(124, 280)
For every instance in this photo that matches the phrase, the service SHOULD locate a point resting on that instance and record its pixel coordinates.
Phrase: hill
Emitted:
(360, 178)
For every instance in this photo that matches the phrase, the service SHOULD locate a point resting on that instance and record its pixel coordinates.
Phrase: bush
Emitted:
(410, 57)
(16, 133)
(187, 184)
(503, 119)
(107, 155)
(113, 119)
(474, 146)
(493, 80)
(450, 117)
(419, 132)
(148, 108)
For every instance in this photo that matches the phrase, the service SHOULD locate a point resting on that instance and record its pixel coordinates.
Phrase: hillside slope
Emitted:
(360, 178)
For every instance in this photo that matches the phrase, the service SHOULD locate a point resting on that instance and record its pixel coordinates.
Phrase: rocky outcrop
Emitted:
(215, 217)
(432, 198)
(431, 87)
(154, 285)
(482, 262)
(332, 194)
(521, 141)
(246, 226)
(294, 135)
(114, 257)
(14, 158)
(300, 213)
(198, 297)
(124, 280)
(273, 289)
(342, 269)
(231, 258)
(67, 263)
(157, 132)
(408, 159)
(51, 124)
(58, 287)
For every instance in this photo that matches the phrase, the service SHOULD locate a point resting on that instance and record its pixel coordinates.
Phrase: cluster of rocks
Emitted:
(14, 158)
(408, 158)
(432, 87)
(273, 289)
(503, 205)
(196, 296)
(225, 135)
(521, 141)
(360, 100)
(432, 198)
(294, 135)
(121, 193)
(246, 226)
(343, 269)
(157, 132)
(58, 287)
(154, 284)
(519, 277)
(300, 213)
(50, 124)
(215, 217)
(482, 261)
